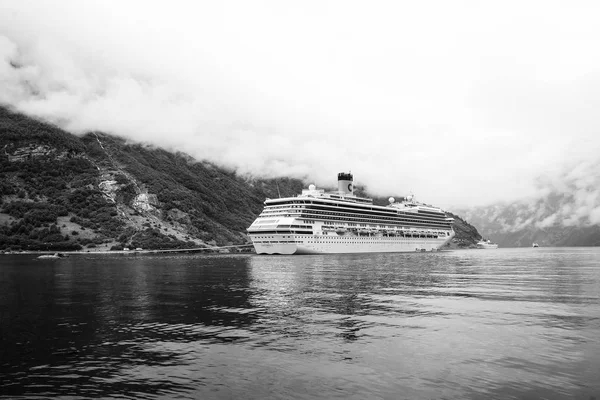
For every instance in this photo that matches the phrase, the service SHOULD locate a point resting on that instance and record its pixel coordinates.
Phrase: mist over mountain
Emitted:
(567, 213)
(93, 192)
(107, 191)
(408, 95)
(59, 191)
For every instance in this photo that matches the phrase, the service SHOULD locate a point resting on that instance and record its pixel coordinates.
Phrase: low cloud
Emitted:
(461, 106)
(569, 198)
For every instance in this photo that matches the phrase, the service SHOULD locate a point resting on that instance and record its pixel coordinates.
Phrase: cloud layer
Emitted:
(570, 198)
(462, 103)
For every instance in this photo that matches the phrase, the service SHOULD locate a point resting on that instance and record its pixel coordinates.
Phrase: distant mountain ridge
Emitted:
(59, 191)
(567, 215)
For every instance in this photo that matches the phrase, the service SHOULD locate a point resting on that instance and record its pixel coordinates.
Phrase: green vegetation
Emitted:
(47, 174)
(17, 129)
(219, 205)
(63, 192)
(466, 234)
(152, 238)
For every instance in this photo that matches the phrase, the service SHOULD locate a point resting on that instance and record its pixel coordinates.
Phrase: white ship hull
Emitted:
(330, 244)
(316, 222)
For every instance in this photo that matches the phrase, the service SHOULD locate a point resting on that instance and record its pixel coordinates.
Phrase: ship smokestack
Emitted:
(345, 185)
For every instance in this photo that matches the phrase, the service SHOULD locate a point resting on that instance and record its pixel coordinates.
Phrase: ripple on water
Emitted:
(510, 323)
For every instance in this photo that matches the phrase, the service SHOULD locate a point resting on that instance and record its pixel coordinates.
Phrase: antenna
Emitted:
(278, 189)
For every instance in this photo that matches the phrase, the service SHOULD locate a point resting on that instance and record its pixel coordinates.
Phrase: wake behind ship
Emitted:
(339, 222)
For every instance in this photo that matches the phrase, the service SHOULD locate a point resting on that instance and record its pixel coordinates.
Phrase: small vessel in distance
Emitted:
(486, 244)
(535, 245)
(316, 222)
(55, 255)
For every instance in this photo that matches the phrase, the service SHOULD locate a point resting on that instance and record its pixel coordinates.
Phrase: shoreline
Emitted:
(212, 250)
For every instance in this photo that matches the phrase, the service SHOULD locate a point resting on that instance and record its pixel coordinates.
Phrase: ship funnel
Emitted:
(345, 185)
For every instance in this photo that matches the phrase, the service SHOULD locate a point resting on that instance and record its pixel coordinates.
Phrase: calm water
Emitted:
(473, 324)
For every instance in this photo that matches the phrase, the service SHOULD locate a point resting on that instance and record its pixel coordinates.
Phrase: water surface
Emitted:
(470, 324)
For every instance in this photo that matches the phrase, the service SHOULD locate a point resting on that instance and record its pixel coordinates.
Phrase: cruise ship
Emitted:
(316, 222)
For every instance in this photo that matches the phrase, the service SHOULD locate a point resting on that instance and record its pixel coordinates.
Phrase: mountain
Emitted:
(567, 214)
(59, 191)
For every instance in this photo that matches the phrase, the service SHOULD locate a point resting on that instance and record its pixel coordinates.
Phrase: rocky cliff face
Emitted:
(63, 192)
(466, 234)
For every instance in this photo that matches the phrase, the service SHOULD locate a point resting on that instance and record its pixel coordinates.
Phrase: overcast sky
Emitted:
(461, 103)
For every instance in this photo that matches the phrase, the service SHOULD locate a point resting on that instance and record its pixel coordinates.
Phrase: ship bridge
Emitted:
(340, 195)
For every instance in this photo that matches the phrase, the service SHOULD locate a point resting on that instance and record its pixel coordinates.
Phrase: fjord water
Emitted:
(467, 324)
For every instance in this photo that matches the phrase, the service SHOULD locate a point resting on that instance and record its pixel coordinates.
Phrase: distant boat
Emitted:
(486, 244)
(55, 255)
(535, 245)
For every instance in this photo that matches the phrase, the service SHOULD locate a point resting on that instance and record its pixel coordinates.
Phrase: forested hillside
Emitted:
(63, 192)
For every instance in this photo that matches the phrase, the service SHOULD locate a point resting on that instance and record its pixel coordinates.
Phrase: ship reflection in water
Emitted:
(466, 324)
